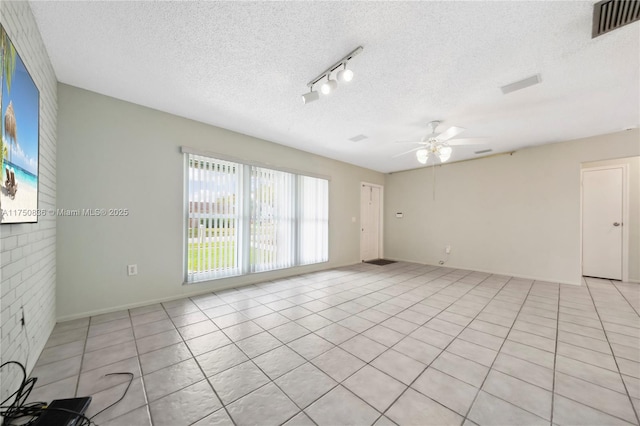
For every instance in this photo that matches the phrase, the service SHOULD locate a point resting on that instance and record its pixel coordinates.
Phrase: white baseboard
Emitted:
(487, 271)
(195, 292)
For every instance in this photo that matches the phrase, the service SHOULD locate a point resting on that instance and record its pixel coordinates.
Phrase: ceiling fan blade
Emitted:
(407, 152)
(451, 132)
(468, 141)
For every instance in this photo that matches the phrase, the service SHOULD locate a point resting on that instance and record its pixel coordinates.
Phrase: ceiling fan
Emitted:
(436, 145)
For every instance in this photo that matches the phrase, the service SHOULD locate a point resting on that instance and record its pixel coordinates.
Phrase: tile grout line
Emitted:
(555, 354)
(625, 297)
(84, 350)
(466, 416)
(589, 381)
(147, 404)
(361, 333)
(161, 307)
(193, 356)
(144, 387)
(283, 344)
(137, 358)
(250, 359)
(514, 321)
(340, 288)
(448, 344)
(231, 340)
(357, 334)
(452, 283)
(386, 347)
(613, 354)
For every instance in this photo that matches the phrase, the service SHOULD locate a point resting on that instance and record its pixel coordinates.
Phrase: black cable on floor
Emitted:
(121, 398)
(19, 408)
(26, 386)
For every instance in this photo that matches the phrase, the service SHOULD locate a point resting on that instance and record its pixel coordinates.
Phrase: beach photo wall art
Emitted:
(19, 148)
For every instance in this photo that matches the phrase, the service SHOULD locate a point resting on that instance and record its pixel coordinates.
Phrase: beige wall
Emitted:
(513, 214)
(114, 154)
(633, 205)
(510, 214)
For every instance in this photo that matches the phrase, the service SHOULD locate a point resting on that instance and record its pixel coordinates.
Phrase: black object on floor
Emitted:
(64, 412)
(380, 262)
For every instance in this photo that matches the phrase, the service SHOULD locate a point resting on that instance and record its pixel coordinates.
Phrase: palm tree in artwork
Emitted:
(7, 68)
(8, 59)
(10, 126)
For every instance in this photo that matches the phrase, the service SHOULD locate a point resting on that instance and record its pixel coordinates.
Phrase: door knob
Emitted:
(616, 223)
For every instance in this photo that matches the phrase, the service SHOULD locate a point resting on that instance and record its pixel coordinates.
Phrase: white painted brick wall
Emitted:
(28, 251)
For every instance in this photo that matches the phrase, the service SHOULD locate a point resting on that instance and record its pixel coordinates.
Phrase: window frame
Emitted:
(245, 207)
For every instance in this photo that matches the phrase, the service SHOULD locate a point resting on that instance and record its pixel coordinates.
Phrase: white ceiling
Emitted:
(244, 65)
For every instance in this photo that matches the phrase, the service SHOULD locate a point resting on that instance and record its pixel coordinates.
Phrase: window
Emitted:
(313, 219)
(272, 219)
(215, 189)
(244, 219)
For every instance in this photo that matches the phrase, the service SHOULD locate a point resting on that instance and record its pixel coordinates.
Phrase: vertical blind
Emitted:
(272, 219)
(214, 214)
(314, 220)
(244, 219)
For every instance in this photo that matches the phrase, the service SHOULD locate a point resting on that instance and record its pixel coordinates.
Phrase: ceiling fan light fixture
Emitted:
(422, 155)
(434, 145)
(444, 152)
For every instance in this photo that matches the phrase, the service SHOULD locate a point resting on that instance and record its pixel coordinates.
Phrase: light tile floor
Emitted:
(399, 344)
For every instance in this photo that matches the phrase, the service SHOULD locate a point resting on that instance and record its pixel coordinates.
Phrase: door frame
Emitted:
(380, 223)
(625, 213)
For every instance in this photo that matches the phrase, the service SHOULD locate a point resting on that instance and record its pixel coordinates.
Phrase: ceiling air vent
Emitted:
(521, 84)
(358, 138)
(609, 15)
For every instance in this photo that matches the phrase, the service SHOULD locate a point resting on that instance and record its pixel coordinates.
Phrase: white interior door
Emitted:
(602, 199)
(370, 222)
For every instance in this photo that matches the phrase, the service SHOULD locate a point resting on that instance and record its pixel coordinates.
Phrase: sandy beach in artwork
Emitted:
(25, 199)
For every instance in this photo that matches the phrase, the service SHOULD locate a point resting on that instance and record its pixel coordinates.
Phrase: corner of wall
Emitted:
(28, 251)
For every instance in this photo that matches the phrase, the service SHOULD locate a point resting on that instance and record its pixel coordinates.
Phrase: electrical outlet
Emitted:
(447, 249)
(132, 269)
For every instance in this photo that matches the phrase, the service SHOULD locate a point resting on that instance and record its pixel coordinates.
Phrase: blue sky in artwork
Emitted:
(24, 95)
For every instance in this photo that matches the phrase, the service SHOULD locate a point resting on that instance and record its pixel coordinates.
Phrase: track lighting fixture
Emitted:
(344, 75)
(328, 86)
(310, 97)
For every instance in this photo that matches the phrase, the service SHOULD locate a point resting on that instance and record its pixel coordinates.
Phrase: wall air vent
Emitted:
(609, 15)
(484, 151)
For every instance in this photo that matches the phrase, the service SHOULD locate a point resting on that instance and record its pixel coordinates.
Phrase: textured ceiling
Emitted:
(244, 65)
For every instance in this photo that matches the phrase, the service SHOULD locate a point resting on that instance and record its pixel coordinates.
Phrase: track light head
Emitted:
(345, 75)
(310, 97)
(328, 86)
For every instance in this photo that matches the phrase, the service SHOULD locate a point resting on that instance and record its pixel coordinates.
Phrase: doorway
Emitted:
(371, 197)
(603, 222)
